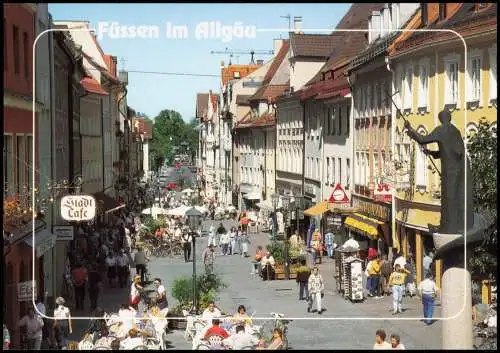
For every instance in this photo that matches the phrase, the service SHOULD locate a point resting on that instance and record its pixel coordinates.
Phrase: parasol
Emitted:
(244, 220)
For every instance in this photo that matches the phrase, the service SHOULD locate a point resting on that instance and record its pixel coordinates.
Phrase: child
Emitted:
(397, 282)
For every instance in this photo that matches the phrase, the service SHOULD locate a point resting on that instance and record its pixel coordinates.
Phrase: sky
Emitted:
(159, 51)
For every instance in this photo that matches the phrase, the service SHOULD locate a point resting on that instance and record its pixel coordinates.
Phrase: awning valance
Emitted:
(252, 196)
(364, 224)
(318, 209)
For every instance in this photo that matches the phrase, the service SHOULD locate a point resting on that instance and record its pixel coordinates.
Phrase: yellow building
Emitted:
(430, 75)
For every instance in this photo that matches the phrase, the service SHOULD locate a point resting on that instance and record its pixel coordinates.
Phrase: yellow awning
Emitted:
(318, 209)
(364, 224)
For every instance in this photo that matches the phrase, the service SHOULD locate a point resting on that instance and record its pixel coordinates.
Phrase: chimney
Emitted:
(297, 21)
(278, 43)
(260, 62)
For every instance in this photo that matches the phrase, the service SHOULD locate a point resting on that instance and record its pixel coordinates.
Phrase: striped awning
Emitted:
(363, 224)
(318, 209)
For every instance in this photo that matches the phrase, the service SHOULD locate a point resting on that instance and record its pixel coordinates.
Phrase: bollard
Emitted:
(457, 332)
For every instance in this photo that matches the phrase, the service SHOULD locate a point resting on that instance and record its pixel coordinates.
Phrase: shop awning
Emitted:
(318, 209)
(252, 196)
(106, 203)
(363, 224)
(44, 241)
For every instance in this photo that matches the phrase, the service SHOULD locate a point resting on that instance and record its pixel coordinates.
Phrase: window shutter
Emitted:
(420, 181)
(449, 84)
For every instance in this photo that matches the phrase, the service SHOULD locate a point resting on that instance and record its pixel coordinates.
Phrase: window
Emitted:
(318, 169)
(348, 173)
(334, 176)
(26, 49)
(368, 101)
(348, 121)
(420, 168)
(7, 162)
(328, 122)
(236, 74)
(407, 95)
(327, 171)
(5, 57)
(333, 117)
(451, 83)
(398, 83)
(357, 170)
(29, 159)
(375, 132)
(340, 172)
(20, 158)
(442, 12)
(423, 91)
(15, 39)
(474, 73)
(493, 72)
(375, 99)
(375, 165)
(340, 121)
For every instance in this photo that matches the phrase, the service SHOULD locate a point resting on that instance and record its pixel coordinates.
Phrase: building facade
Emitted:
(430, 75)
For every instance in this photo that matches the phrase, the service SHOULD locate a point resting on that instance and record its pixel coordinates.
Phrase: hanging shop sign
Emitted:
(382, 192)
(25, 291)
(338, 195)
(78, 208)
(372, 209)
(333, 222)
(63, 233)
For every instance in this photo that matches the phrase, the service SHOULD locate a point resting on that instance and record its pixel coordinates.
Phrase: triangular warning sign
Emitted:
(338, 195)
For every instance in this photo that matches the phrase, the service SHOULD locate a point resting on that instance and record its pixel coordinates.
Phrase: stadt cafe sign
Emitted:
(78, 208)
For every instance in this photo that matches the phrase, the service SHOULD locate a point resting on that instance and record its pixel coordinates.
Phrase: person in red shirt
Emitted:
(216, 330)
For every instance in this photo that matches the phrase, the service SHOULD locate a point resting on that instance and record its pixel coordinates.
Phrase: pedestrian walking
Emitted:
(95, 282)
(6, 338)
(33, 326)
(62, 323)
(140, 264)
(111, 267)
(397, 282)
(303, 273)
(244, 245)
(329, 243)
(428, 291)
(232, 244)
(186, 245)
(385, 273)
(237, 241)
(373, 282)
(380, 342)
(122, 263)
(315, 287)
(225, 240)
(211, 235)
(80, 279)
(208, 257)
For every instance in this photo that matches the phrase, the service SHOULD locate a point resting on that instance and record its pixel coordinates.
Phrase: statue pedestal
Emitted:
(456, 309)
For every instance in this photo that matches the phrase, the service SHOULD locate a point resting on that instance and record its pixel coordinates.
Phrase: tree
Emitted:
(482, 148)
(170, 130)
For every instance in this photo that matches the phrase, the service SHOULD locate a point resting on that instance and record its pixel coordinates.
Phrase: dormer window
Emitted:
(442, 12)
(236, 74)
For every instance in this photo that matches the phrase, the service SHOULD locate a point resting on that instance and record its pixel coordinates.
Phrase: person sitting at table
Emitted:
(215, 330)
(241, 317)
(211, 312)
(277, 342)
(133, 340)
(240, 340)
(267, 266)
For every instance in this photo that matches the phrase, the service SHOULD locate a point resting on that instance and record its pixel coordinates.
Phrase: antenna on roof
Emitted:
(289, 18)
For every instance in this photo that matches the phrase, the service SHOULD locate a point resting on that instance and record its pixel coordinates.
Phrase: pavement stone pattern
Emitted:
(311, 331)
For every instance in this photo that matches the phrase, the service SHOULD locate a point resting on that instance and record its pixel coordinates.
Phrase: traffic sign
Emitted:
(338, 195)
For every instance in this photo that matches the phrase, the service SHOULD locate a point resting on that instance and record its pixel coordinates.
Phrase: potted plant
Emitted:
(182, 291)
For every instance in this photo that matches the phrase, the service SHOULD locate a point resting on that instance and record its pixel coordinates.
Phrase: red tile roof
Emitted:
(145, 128)
(269, 93)
(463, 20)
(245, 121)
(314, 45)
(266, 119)
(214, 100)
(202, 105)
(227, 73)
(111, 64)
(278, 59)
(91, 85)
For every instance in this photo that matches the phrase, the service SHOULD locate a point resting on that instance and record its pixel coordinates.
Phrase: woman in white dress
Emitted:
(62, 323)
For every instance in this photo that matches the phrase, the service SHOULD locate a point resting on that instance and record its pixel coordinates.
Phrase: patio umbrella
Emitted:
(244, 220)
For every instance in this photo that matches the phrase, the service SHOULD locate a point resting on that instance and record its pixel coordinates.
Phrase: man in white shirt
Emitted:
(241, 339)
(122, 263)
(267, 266)
(186, 244)
(161, 295)
(211, 312)
(401, 261)
(428, 291)
(34, 326)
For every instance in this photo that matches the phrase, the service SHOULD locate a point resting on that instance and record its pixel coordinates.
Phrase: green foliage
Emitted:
(149, 222)
(207, 288)
(277, 250)
(482, 149)
(169, 130)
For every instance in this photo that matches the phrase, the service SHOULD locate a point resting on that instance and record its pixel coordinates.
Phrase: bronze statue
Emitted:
(452, 153)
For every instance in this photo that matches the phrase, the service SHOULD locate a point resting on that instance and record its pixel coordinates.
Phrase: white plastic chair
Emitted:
(215, 340)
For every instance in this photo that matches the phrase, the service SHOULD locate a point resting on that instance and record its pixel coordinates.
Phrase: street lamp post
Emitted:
(194, 220)
(274, 200)
(298, 206)
(286, 208)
